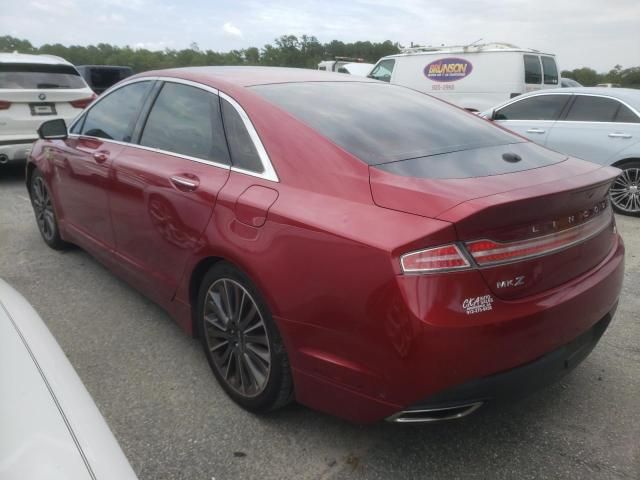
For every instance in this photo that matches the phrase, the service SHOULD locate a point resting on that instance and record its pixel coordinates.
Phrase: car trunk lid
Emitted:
(557, 216)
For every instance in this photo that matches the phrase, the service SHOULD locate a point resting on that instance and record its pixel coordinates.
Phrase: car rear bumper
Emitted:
(515, 383)
(418, 350)
(15, 150)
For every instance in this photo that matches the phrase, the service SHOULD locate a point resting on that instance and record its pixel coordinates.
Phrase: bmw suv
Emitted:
(33, 89)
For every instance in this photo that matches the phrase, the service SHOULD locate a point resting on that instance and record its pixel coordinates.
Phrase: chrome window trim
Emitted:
(573, 94)
(269, 172)
(156, 150)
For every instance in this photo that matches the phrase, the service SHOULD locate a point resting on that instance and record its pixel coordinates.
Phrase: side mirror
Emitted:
(53, 130)
(492, 115)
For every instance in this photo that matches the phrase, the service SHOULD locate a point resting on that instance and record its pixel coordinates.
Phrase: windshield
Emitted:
(39, 76)
(382, 71)
(381, 123)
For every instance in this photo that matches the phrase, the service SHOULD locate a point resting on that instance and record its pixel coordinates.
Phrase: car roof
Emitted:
(249, 76)
(103, 66)
(16, 57)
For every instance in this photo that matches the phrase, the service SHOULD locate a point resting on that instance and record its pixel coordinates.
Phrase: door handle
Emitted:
(101, 156)
(185, 184)
(535, 130)
(619, 135)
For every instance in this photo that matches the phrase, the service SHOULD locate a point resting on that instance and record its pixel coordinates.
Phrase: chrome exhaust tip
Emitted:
(426, 415)
(4, 159)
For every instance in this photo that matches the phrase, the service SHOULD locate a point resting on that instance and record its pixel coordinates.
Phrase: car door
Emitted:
(532, 116)
(165, 187)
(82, 166)
(595, 128)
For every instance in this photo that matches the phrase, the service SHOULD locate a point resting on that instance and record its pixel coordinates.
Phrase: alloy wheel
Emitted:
(43, 208)
(237, 337)
(625, 192)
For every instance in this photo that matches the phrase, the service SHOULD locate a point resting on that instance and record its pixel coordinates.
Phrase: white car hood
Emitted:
(50, 427)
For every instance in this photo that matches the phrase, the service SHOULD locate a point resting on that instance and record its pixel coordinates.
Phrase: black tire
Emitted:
(625, 191)
(44, 211)
(237, 338)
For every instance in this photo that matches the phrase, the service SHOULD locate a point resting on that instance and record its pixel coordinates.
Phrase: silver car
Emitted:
(49, 426)
(601, 125)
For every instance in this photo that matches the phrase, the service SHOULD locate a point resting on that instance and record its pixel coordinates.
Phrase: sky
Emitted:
(593, 33)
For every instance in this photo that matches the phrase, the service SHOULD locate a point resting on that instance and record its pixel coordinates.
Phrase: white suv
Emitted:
(34, 89)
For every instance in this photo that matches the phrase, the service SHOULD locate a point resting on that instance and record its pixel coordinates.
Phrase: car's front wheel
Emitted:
(241, 341)
(42, 204)
(625, 191)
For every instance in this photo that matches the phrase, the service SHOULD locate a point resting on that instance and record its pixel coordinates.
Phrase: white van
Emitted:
(352, 66)
(475, 77)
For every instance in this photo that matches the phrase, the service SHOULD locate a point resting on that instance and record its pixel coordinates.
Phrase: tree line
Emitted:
(625, 77)
(286, 51)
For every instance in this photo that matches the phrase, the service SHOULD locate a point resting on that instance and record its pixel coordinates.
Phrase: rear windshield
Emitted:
(381, 123)
(105, 77)
(38, 76)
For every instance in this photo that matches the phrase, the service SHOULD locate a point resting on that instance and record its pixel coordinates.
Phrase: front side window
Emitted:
(550, 71)
(186, 120)
(532, 69)
(243, 151)
(39, 76)
(539, 107)
(115, 115)
(593, 109)
(383, 70)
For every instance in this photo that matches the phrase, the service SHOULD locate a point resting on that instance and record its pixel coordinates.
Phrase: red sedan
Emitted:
(361, 247)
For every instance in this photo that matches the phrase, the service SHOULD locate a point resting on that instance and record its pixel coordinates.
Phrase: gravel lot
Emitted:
(153, 385)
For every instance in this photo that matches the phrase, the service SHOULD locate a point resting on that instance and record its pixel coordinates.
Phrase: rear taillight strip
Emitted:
(488, 252)
(437, 259)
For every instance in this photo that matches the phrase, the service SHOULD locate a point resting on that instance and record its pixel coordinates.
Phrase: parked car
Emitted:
(357, 69)
(345, 65)
(35, 88)
(474, 77)
(409, 265)
(50, 426)
(609, 85)
(101, 77)
(596, 124)
(569, 82)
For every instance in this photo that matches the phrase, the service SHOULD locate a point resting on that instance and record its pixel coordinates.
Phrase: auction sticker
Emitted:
(448, 69)
(478, 304)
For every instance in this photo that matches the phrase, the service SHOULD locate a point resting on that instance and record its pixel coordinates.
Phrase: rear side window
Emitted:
(38, 76)
(626, 115)
(115, 115)
(532, 69)
(186, 120)
(539, 107)
(243, 150)
(381, 123)
(383, 70)
(550, 71)
(593, 109)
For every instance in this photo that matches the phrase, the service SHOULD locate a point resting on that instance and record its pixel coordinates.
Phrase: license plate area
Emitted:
(40, 109)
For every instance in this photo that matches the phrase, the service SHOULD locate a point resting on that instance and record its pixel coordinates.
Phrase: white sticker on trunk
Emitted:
(480, 304)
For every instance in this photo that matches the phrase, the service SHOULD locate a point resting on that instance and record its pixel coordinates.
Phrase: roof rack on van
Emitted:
(466, 48)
